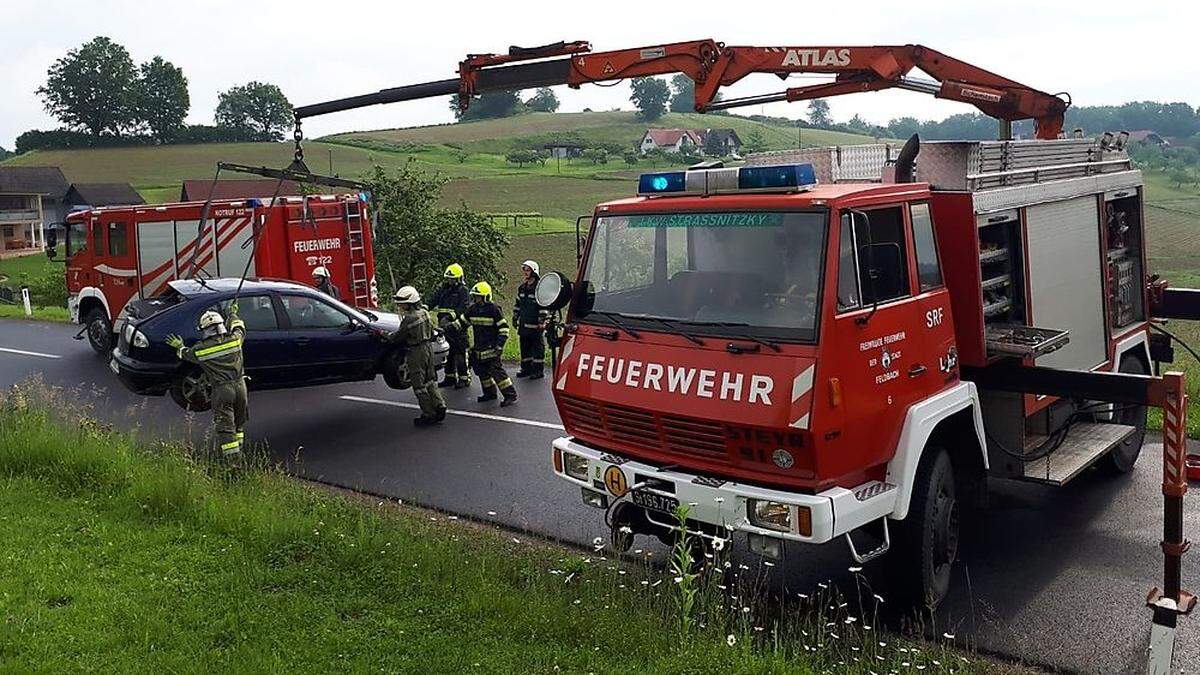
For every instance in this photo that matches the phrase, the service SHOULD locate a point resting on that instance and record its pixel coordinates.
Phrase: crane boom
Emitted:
(712, 65)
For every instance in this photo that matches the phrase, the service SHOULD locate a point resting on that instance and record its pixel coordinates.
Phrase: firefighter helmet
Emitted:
(321, 272)
(407, 295)
(212, 323)
(454, 271)
(531, 264)
(482, 289)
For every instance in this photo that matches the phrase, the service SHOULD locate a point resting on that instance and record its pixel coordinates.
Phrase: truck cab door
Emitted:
(115, 253)
(877, 346)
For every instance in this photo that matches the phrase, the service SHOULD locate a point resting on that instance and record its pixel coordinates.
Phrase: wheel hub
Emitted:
(945, 529)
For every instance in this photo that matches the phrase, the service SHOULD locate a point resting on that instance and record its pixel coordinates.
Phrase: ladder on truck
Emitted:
(360, 285)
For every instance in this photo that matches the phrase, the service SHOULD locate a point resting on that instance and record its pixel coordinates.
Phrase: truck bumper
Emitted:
(73, 307)
(726, 504)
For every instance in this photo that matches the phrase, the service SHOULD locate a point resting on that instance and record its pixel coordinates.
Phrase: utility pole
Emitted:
(330, 161)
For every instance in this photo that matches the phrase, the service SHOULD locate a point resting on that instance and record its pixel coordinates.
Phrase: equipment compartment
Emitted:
(1122, 235)
(999, 268)
(1017, 340)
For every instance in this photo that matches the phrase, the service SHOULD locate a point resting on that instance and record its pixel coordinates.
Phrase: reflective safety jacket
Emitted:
(415, 328)
(488, 328)
(527, 313)
(219, 356)
(450, 301)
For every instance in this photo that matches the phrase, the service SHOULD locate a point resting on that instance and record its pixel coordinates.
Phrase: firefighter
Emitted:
(219, 355)
(416, 333)
(530, 320)
(449, 303)
(323, 283)
(490, 332)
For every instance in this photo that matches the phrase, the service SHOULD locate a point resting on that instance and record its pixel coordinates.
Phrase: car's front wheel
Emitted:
(395, 373)
(192, 391)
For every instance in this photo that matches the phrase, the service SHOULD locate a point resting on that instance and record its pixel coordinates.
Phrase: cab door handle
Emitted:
(916, 369)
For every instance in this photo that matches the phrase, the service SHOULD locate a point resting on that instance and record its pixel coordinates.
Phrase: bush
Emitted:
(47, 290)
(630, 157)
(523, 157)
(595, 155)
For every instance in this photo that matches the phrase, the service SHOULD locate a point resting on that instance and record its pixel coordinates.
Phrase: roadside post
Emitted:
(25, 299)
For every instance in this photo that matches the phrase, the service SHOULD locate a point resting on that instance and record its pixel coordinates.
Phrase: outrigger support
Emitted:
(292, 174)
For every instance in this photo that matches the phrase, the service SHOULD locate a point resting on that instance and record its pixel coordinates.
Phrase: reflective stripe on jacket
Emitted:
(487, 326)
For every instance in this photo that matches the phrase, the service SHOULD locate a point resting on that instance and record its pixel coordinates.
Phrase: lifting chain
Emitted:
(298, 135)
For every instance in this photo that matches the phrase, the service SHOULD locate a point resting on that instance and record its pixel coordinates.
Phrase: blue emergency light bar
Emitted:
(777, 178)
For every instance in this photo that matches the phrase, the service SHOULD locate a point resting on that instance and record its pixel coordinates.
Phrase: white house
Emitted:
(671, 140)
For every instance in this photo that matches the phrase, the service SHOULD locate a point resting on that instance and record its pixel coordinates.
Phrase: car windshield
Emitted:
(757, 272)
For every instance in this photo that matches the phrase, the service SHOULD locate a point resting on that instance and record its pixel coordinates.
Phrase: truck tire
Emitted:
(1120, 460)
(928, 537)
(192, 391)
(99, 331)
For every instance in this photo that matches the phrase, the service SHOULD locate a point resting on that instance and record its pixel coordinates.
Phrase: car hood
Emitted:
(386, 321)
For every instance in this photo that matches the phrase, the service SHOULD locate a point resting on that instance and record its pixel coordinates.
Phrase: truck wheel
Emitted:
(928, 537)
(1120, 460)
(192, 391)
(99, 331)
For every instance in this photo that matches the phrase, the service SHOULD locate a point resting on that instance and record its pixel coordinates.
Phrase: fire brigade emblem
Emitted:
(614, 480)
(886, 359)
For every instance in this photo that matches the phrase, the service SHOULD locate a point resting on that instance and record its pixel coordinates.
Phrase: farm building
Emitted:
(90, 195)
(31, 197)
(671, 140)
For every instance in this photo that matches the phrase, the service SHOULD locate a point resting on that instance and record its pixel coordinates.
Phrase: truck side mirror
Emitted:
(51, 243)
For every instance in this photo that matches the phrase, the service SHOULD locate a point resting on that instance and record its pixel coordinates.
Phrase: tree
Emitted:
(630, 157)
(4, 154)
(650, 95)
(255, 107)
(161, 98)
(543, 100)
(755, 141)
(818, 113)
(523, 157)
(683, 98)
(595, 155)
(415, 238)
(489, 105)
(91, 88)
(713, 145)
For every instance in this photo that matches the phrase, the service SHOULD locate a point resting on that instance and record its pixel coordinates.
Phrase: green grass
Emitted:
(13, 270)
(122, 557)
(17, 311)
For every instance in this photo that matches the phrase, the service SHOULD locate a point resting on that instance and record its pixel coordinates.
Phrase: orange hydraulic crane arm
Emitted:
(712, 65)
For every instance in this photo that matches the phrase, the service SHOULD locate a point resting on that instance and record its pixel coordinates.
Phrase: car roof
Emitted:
(195, 287)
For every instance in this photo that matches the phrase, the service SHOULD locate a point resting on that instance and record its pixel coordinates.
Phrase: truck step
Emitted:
(1085, 443)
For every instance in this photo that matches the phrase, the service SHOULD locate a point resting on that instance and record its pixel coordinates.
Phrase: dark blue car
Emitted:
(295, 337)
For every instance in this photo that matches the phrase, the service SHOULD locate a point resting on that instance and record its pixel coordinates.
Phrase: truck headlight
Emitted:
(769, 515)
(139, 340)
(575, 466)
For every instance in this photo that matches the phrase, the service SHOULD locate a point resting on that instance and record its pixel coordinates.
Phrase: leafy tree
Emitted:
(415, 238)
(650, 95)
(755, 141)
(818, 113)
(595, 155)
(489, 105)
(543, 100)
(91, 88)
(461, 156)
(630, 157)
(683, 97)
(4, 154)
(256, 107)
(713, 147)
(523, 157)
(161, 98)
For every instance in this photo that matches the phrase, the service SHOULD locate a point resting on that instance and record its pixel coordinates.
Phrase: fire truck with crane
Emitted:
(115, 255)
(848, 343)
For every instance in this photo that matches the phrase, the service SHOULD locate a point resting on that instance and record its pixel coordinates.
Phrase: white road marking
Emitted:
(461, 413)
(22, 352)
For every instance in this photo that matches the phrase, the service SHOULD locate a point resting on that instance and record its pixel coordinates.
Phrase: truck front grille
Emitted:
(644, 428)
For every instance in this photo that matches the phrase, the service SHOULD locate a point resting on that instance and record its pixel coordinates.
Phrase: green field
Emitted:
(122, 556)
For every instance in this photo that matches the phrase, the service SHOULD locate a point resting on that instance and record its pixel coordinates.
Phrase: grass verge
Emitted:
(124, 557)
(39, 313)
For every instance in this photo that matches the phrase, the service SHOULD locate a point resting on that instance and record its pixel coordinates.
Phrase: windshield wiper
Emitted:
(616, 322)
(771, 344)
(671, 325)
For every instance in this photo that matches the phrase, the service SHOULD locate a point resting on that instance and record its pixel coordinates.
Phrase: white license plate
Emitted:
(115, 368)
(655, 502)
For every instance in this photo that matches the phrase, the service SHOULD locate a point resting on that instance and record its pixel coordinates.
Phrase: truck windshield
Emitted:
(721, 272)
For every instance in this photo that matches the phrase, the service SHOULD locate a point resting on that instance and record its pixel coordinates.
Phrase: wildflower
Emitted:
(823, 585)
(768, 563)
(625, 529)
(452, 517)
(758, 628)
(491, 513)
(879, 598)
(948, 636)
(516, 541)
(577, 602)
(730, 640)
(745, 610)
(802, 596)
(678, 580)
(855, 570)
(851, 619)
(598, 543)
(718, 544)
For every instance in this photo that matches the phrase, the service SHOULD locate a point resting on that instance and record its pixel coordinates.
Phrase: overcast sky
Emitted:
(1101, 52)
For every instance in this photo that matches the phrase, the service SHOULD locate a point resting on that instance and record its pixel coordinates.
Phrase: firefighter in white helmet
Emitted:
(530, 319)
(416, 334)
(218, 354)
(324, 284)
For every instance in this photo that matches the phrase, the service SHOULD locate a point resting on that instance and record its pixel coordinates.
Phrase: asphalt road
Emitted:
(1054, 577)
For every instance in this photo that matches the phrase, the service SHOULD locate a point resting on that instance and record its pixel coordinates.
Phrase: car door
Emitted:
(326, 343)
(264, 350)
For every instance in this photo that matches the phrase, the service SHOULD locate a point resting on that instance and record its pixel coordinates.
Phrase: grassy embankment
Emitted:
(124, 557)
(22, 270)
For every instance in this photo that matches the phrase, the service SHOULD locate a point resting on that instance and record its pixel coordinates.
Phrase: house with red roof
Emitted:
(672, 141)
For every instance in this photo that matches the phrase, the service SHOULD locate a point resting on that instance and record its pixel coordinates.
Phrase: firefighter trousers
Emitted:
(230, 413)
(533, 351)
(422, 377)
(492, 376)
(456, 359)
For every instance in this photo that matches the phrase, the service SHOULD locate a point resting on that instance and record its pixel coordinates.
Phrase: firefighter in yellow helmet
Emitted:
(219, 356)
(449, 303)
(490, 331)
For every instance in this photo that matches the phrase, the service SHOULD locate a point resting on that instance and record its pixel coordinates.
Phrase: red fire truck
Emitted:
(118, 254)
(839, 344)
